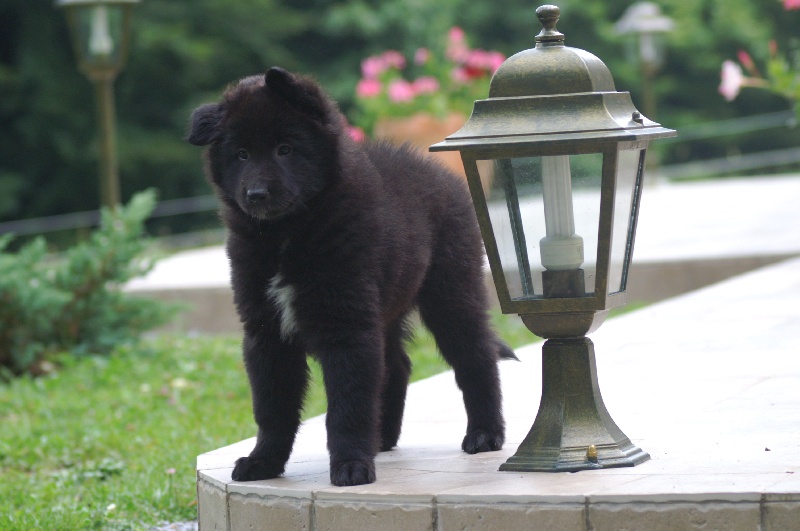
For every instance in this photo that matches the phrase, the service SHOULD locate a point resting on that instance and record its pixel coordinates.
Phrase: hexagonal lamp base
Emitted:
(573, 430)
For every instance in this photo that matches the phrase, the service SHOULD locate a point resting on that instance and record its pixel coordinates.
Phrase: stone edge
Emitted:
(768, 511)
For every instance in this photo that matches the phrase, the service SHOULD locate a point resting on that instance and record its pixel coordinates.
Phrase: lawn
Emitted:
(110, 442)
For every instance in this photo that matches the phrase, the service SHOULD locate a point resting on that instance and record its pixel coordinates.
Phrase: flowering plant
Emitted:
(390, 86)
(783, 76)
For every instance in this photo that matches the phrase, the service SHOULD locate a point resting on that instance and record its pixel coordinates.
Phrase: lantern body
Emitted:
(555, 136)
(100, 31)
(603, 193)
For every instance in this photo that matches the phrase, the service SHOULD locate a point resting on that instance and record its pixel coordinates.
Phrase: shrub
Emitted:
(74, 302)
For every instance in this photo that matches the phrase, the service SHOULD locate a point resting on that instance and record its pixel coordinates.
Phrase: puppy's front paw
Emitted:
(349, 473)
(253, 469)
(482, 441)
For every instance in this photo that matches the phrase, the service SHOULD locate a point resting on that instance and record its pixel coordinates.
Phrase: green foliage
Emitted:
(74, 302)
(784, 79)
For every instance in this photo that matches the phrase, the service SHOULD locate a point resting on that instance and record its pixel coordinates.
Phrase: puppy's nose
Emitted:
(257, 195)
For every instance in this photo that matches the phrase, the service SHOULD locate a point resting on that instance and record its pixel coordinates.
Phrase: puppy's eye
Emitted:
(284, 149)
(242, 154)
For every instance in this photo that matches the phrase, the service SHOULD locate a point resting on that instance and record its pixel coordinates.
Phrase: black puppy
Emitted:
(332, 243)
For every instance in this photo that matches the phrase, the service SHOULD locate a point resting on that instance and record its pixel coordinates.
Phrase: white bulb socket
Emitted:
(561, 253)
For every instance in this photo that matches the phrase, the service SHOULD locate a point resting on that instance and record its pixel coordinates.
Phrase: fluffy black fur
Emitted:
(332, 243)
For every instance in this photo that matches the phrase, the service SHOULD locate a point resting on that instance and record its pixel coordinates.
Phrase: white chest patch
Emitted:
(283, 295)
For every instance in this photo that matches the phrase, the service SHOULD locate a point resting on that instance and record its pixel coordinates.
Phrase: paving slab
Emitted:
(708, 383)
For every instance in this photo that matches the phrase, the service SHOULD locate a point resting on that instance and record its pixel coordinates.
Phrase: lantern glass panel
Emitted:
(553, 197)
(630, 167)
(99, 34)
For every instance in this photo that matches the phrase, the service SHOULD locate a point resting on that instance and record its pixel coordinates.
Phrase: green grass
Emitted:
(110, 443)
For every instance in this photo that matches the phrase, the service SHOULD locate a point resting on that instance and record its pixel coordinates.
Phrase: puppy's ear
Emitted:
(301, 94)
(204, 124)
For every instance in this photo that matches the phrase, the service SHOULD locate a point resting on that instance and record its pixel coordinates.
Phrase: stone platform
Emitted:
(708, 383)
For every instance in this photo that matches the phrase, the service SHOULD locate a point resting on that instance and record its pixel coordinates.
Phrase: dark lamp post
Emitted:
(564, 152)
(100, 31)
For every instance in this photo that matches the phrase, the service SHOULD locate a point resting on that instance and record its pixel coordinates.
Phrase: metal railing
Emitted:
(737, 162)
(91, 218)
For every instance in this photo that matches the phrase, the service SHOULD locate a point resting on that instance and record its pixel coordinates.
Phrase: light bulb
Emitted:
(100, 42)
(561, 248)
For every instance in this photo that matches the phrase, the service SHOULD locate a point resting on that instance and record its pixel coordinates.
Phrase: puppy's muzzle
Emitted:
(257, 196)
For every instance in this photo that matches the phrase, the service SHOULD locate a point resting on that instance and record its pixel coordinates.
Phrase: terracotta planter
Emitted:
(423, 130)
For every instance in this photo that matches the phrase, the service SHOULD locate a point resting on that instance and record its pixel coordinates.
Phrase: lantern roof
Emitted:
(552, 93)
(550, 68)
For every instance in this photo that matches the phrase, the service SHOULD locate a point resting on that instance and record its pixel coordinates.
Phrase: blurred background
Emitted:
(184, 53)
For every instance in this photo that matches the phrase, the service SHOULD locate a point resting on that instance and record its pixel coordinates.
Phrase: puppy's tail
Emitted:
(505, 352)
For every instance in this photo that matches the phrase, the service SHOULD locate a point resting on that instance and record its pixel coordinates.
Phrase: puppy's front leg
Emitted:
(278, 375)
(353, 376)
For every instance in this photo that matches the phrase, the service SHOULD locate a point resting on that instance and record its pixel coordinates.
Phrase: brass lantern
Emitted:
(562, 155)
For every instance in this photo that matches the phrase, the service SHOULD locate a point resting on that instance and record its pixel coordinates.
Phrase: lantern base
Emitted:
(573, 430)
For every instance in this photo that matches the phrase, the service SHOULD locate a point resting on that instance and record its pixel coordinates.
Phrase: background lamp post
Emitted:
(100, 31)
(645, 21)
(565, 154)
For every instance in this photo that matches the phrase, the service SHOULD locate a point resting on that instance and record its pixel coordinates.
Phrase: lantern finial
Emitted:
(548, 16)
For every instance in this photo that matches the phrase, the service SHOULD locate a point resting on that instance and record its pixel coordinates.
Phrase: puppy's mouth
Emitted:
(265, 214)
(268, 209)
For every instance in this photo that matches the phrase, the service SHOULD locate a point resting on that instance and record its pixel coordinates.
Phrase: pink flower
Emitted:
(394, 59)
(484, 60)
(375, 65)
(401, 91)
(421, 56)
(732, 80)
(356, 133)
(747, 62)
(372, 67)
(495, 60)
(456, 35)
(425, 85)
(460, 75)
(457, 49)
(368, 88)
(791, 4)
(477, 58)
(773, 48)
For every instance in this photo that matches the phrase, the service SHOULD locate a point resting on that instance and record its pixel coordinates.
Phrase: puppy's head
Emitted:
(273, 143)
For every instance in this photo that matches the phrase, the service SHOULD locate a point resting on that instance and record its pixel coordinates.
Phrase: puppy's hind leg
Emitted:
(454, 311)
(393, 397)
